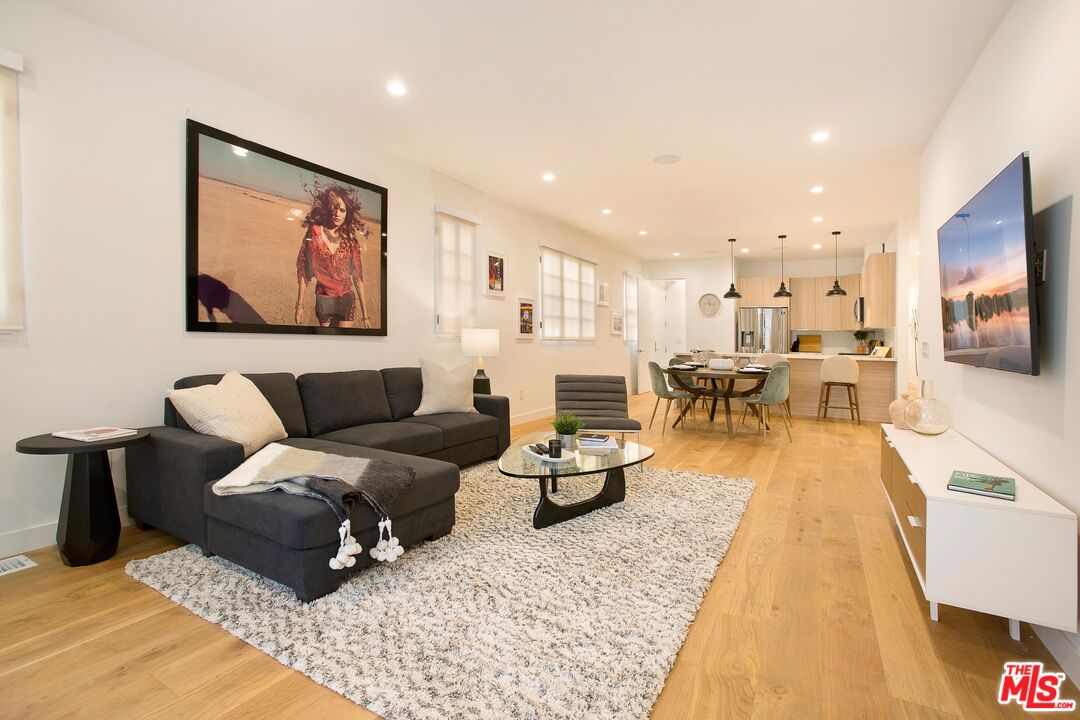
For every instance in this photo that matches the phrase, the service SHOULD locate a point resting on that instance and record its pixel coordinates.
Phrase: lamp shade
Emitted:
(480, 342)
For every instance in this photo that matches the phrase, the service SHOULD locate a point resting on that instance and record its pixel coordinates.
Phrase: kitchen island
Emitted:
(877, 384)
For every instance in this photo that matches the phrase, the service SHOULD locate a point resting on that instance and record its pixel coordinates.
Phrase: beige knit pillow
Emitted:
(446, 390)
(234, 409)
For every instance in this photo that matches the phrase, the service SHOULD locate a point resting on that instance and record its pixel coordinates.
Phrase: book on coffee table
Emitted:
(985, 485)
(94, 434)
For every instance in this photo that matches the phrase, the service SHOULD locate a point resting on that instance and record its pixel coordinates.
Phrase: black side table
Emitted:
(89, 526)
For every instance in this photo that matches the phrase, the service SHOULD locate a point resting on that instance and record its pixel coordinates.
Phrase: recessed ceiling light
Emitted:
(820, 136)
(818, 218)
(396, 88)
(642, 232)
(817, 189)
(606, 211)
(744, 250)
(548, 177)
(816, 246)
(675, 254)
(666, 159)
(237, 150)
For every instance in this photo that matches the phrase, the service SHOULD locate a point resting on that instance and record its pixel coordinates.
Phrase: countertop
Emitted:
(822, 356)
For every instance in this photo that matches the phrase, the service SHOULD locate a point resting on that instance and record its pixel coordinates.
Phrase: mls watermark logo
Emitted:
(1028, 686)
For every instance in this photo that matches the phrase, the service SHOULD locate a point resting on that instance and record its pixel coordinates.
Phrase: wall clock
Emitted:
(709, 304)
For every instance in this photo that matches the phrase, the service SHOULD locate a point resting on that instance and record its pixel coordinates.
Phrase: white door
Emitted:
(667, 325)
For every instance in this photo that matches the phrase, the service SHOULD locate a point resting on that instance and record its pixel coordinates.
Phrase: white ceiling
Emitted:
(501, 91)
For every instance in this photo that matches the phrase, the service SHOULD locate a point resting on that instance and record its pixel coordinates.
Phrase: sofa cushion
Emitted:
(337, 400)
(402, 437)
(404, 389)
(279, 389)
(446, 390)
(459, 428)
(233, 409)
(301, 522)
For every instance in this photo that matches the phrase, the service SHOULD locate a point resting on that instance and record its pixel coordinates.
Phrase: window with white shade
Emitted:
(630, 308)
(11, 279)
(567, 296)
(455, 274)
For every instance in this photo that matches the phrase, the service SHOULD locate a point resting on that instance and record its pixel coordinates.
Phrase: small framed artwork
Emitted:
(602, 291)
(526, 318)
(495, 275)
(881, 351)
(616, 323)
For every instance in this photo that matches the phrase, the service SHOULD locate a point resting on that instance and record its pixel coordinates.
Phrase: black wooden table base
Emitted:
(548, 512)
(89, 526)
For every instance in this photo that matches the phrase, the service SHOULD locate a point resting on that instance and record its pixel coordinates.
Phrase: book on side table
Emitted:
(94, 434)
(985, 485)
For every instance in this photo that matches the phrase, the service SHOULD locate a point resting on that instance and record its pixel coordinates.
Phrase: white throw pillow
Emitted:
(234, 409)
(446, 390)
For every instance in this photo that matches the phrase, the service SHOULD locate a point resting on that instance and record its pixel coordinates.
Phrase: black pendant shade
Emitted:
(836, 291)
(732, 293)
(783, 292)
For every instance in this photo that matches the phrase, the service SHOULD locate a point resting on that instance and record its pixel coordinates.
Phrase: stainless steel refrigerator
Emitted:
(762, 330)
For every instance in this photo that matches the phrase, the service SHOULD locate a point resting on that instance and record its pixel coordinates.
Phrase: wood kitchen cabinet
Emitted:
(879, 290)
(758, 292)
(813, 309)
(804, 304)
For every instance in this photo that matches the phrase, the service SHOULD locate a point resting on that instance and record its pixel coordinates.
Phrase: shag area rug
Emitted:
(497, 620)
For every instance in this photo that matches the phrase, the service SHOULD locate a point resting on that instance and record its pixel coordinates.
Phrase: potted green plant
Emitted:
(861, 336)
(566, 427)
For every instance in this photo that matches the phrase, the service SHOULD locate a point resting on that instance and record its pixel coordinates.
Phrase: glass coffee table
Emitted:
(515, 462)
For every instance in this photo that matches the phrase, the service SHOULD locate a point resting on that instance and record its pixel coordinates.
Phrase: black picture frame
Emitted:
(194, 278)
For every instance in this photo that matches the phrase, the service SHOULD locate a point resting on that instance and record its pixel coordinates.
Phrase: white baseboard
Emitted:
(24, 540)
(1062, 648)
(534, 415)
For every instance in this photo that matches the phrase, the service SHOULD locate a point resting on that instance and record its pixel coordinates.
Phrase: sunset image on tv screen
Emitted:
(984, 277)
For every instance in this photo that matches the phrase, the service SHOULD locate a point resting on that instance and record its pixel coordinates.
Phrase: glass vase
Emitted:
(896, 412)
(926, 414)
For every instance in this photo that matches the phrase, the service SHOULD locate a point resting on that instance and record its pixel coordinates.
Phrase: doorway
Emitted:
(667, 300)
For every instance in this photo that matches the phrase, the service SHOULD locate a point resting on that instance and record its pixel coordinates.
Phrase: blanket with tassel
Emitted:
(338, 481)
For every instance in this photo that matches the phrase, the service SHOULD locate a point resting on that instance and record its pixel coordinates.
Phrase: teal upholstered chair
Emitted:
(663, 391)
(773, 393)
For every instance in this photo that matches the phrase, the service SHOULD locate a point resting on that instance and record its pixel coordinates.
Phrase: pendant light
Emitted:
(836, 291)
(783, 292)
(732, 293)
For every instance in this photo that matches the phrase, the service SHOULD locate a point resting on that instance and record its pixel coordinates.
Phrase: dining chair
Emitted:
(775, 391)
(771, 359)
(839, 371)
(663, 391)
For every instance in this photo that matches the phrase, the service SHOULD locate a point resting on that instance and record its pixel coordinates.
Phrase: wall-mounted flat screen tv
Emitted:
(987, 259)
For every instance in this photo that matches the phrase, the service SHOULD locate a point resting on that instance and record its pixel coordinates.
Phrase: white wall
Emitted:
(103, 216)
(1021, 95)
(702, 276)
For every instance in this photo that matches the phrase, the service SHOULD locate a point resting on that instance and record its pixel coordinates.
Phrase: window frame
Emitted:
(466, 282)
(583, 294)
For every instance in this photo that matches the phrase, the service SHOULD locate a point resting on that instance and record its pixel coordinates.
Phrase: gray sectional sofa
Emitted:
(290, 539)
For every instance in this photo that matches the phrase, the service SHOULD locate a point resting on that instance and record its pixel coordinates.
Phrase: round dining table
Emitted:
(719, 385)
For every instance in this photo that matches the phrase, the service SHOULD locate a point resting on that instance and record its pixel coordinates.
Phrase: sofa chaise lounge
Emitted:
(361, 413)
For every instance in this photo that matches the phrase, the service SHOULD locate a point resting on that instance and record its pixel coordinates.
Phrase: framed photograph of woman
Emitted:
(526, 318)
(495, 274)
(276, 244)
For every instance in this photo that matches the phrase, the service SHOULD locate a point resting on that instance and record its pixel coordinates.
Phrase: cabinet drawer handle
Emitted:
(914, 521)
(889, 443)
(911, 479)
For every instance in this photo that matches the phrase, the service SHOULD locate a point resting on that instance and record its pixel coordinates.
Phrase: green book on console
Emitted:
(986, 485)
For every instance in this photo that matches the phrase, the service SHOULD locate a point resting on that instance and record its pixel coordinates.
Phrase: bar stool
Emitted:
(839, 371)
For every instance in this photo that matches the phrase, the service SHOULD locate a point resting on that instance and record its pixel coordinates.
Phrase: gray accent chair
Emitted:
(599, 400)
(290, 539)
(774, 392)
(663, 391)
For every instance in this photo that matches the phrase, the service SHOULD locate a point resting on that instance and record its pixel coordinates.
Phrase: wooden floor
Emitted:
(813, 613)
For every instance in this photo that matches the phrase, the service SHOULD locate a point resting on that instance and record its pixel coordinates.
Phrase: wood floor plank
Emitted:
(814, 612)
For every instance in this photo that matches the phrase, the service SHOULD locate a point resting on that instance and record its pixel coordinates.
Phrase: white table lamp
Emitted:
(480, 343)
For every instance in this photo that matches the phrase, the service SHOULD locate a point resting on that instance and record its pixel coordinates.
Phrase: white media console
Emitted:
(1012, 559)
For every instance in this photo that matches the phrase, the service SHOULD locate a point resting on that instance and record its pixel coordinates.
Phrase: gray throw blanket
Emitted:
(338, 481)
